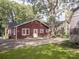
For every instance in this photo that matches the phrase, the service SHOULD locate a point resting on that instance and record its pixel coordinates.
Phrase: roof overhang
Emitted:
(31, 21)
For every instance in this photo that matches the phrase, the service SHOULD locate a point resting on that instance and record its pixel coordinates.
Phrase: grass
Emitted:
(49, 51)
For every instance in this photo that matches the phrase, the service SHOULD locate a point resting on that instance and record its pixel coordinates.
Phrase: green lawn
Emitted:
(49, 51)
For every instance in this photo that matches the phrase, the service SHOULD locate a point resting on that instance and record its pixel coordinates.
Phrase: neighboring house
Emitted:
(74, 26)
(34, 28)
(11, 28)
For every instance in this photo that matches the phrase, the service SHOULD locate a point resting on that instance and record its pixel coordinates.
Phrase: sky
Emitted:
(20, 1)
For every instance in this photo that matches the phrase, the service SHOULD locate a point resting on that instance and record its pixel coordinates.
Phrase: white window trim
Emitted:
(25, 29)
(41, 30)
(28, 31)
(14, 32)
(9, 31)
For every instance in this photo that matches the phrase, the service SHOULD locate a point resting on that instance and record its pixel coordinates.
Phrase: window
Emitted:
(47, 30)
(14, 32)
(41, 30)
(25, 31)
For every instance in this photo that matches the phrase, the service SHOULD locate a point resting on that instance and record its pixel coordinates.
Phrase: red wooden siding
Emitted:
(32, 25)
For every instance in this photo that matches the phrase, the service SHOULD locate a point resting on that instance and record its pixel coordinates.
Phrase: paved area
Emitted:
(10, 44)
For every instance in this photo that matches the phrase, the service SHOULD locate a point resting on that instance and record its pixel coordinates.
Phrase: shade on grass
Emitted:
(49, 51)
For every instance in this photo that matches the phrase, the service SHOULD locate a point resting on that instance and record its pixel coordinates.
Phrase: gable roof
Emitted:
(32, 21)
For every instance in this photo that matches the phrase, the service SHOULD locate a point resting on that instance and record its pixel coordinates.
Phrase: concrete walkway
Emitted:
(10, 44)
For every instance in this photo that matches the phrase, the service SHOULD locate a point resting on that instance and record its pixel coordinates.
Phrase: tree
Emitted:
(24, 13)
(50, 9)
(6, 12)
(53, 9)
(10, 10)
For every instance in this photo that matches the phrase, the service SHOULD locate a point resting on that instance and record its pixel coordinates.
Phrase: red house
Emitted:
(34, 28)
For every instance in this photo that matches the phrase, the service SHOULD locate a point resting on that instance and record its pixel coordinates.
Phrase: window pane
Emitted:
(41, 30)
(47, 30)
(27, 31)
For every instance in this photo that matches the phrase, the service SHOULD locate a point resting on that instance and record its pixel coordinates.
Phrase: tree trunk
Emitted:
(6, 32)
(52, 5)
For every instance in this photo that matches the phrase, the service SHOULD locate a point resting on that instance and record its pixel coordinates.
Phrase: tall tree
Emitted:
(49, 8)
(10, 10)
(53, 9)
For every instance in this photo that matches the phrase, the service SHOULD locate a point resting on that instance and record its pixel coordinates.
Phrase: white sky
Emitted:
(19, 1)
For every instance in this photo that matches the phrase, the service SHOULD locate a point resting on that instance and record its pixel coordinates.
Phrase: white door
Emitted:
(35, 32)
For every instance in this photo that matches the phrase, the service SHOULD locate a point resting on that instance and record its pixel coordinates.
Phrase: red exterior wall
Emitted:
(31, 25)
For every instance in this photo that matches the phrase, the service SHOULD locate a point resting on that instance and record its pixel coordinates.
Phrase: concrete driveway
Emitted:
(10, 44)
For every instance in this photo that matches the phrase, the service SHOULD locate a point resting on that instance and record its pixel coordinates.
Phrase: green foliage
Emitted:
(24, 13)
(1, 29)
(39, 6)
(52, 19)
(5, 10)
(21, 12)
(12, 10)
